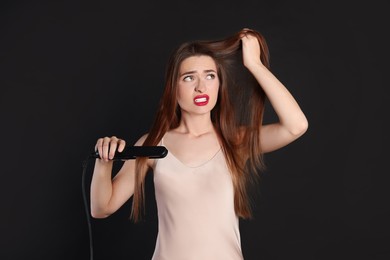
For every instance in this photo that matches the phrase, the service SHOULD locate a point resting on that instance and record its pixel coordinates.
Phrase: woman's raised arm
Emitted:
(292, 121)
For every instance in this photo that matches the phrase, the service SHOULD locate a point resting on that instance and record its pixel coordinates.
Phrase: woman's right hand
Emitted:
(108, 146)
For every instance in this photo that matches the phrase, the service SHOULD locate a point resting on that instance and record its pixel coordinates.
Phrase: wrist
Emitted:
(254, 66)
(103, 163)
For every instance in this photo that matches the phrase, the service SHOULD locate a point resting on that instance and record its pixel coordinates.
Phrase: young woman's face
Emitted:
(197, 85)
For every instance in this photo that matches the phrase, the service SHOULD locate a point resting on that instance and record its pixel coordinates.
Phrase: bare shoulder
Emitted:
(140, 142)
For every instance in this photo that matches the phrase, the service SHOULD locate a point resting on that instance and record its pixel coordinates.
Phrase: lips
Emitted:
(201, 100)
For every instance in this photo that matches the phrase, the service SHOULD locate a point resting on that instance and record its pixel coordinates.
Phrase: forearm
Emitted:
(287, 109)
(101, 189)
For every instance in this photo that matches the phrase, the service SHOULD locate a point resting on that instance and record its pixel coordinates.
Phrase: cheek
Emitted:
(213, 93)
(183, 96)
(215, 90)
(181, 93)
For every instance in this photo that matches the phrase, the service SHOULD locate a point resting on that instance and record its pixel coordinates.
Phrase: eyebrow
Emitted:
(194, 71)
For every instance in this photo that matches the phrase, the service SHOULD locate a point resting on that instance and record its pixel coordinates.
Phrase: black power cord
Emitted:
(85, 164)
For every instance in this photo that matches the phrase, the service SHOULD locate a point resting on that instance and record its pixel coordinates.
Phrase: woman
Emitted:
(215, 145)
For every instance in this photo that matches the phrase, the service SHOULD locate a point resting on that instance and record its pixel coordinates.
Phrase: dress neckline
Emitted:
(197, 166)
(188, 166)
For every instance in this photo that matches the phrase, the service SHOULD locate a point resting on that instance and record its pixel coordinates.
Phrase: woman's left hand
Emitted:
(250, 50)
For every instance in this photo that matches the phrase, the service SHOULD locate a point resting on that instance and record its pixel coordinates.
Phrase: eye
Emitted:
(188, 78)
(210, 76)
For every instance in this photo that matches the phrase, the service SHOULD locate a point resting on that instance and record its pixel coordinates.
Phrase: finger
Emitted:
(105, 148)
(121, 145)
(98, 147)
(113, 146)
(243, 35)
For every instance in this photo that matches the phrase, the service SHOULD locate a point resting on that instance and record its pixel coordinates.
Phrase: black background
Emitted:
(74, 71)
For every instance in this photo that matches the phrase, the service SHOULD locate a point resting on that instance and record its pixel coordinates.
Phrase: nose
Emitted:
(200, 86)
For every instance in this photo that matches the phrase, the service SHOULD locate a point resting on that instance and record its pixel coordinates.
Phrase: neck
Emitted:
(195, 125)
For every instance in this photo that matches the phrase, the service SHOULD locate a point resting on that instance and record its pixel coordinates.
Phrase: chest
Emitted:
(209, 183)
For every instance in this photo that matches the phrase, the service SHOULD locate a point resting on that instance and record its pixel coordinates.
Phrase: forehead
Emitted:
(202, 62)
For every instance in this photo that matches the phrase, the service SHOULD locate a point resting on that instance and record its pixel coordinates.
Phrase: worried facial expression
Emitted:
(198, 84)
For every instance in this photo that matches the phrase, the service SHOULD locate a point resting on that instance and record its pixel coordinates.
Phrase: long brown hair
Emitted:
(237, 126)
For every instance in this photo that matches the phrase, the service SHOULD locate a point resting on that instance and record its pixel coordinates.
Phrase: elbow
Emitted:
(99, 213)
(300, 128)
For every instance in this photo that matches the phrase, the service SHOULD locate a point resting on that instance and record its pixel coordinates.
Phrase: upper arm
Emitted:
(275, 136)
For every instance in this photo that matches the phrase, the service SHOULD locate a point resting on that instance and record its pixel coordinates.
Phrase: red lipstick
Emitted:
(201, 100)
